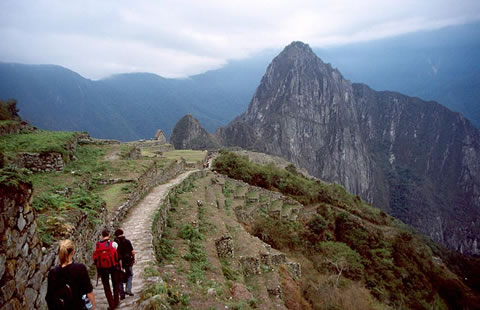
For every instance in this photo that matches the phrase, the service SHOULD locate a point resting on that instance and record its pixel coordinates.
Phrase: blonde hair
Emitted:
(65, 248)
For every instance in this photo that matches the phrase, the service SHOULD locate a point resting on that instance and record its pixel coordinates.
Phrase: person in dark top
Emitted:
(127, 258)
(107, 262)
(68, 282)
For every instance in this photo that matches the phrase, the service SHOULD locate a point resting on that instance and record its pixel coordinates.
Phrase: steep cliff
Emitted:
(189, 134)
(415, 159)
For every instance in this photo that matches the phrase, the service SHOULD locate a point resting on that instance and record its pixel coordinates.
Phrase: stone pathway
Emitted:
(137, 227)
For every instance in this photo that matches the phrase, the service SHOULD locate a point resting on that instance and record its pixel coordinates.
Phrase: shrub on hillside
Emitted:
(8, 110)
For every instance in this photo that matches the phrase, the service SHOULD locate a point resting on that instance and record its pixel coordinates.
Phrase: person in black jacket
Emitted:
(68, 282)
(127, 257)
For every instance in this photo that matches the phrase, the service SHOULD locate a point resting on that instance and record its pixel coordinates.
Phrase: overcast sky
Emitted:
(177, 38)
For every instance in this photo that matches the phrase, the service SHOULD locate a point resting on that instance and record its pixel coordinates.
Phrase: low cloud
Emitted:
(181, 38)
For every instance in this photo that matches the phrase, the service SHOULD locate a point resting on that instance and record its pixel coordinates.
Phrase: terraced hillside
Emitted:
(209, 259)
(352, 256)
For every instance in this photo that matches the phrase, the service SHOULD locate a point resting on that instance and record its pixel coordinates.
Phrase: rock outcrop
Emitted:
(415, 159)
(189, 134)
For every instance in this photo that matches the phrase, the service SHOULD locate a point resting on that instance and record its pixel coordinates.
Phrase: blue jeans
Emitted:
(128, 285)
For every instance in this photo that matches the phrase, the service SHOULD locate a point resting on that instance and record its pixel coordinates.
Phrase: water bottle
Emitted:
(88, 304)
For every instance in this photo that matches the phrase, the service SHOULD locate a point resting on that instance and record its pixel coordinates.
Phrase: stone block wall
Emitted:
(40, 162)
(224, 246)
(47, 161)
(20, 251)
(24, 263)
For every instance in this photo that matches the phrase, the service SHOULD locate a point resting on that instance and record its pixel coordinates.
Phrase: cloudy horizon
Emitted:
(182, 38)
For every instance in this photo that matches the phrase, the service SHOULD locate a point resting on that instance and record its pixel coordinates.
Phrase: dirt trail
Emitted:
(137, 227)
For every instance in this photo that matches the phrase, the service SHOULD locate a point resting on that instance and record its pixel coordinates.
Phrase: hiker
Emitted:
(107, 262)
(68, 283)
(127, 258)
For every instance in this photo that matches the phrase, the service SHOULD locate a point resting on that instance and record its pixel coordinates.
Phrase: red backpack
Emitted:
(105, 255)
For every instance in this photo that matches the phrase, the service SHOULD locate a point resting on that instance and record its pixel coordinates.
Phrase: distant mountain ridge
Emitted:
(442, 65)
(416, 159)
(125, 106)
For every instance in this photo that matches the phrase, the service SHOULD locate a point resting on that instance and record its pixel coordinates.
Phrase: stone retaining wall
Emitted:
(20, 250)
(86, 139)
(147, 181)
(40, 162)
(24, 263)
(46, 161)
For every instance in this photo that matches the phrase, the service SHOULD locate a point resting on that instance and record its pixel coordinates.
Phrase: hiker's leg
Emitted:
(116, 286)
(121, 285)
(105, 275)
(129, 271)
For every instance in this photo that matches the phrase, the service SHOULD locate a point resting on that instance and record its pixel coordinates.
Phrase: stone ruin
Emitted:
(250, 265)
(39, 162)
(295, 269)
(224, 246)
(160, 136)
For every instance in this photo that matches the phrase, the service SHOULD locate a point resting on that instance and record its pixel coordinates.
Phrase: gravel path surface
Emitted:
(137, 228)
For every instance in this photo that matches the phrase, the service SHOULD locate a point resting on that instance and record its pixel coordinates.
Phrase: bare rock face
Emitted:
(415, 159)
(189, 134)
(305, 111)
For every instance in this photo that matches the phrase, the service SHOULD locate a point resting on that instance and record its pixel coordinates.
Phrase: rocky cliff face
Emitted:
(189, 134)
(415, 159)
(429, 159)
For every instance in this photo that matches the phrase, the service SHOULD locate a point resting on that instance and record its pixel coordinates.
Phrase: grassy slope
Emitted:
(190, 156)
(61, 197)
(337, 229)
(37, 141)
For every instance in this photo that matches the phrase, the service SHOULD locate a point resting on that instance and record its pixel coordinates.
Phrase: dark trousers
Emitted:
(105, 274)
(126, 280)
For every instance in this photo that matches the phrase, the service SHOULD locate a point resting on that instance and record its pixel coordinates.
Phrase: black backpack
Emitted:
(62, 296)
(125, 251)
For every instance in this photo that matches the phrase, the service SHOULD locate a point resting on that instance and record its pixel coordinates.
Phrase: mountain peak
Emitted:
(297, 49)
(189, 134)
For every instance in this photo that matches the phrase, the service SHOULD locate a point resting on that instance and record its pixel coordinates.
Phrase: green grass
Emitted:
(228, 189)
(58, 195)
(228, 270)
(162, 296)
(252, 194)
(8, 123)
(126, 150)
(151, 271)
(38, 141)
(190, 156)
(114, 195)
(11, 176)
(295, 185)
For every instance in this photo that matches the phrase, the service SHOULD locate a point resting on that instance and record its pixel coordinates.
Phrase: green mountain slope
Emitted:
(345, 245)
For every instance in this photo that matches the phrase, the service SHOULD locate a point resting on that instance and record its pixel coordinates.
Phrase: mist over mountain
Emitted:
(441, 65)
(415, 159)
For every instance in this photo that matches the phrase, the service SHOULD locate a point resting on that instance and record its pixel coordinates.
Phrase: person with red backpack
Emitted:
(107, 261)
